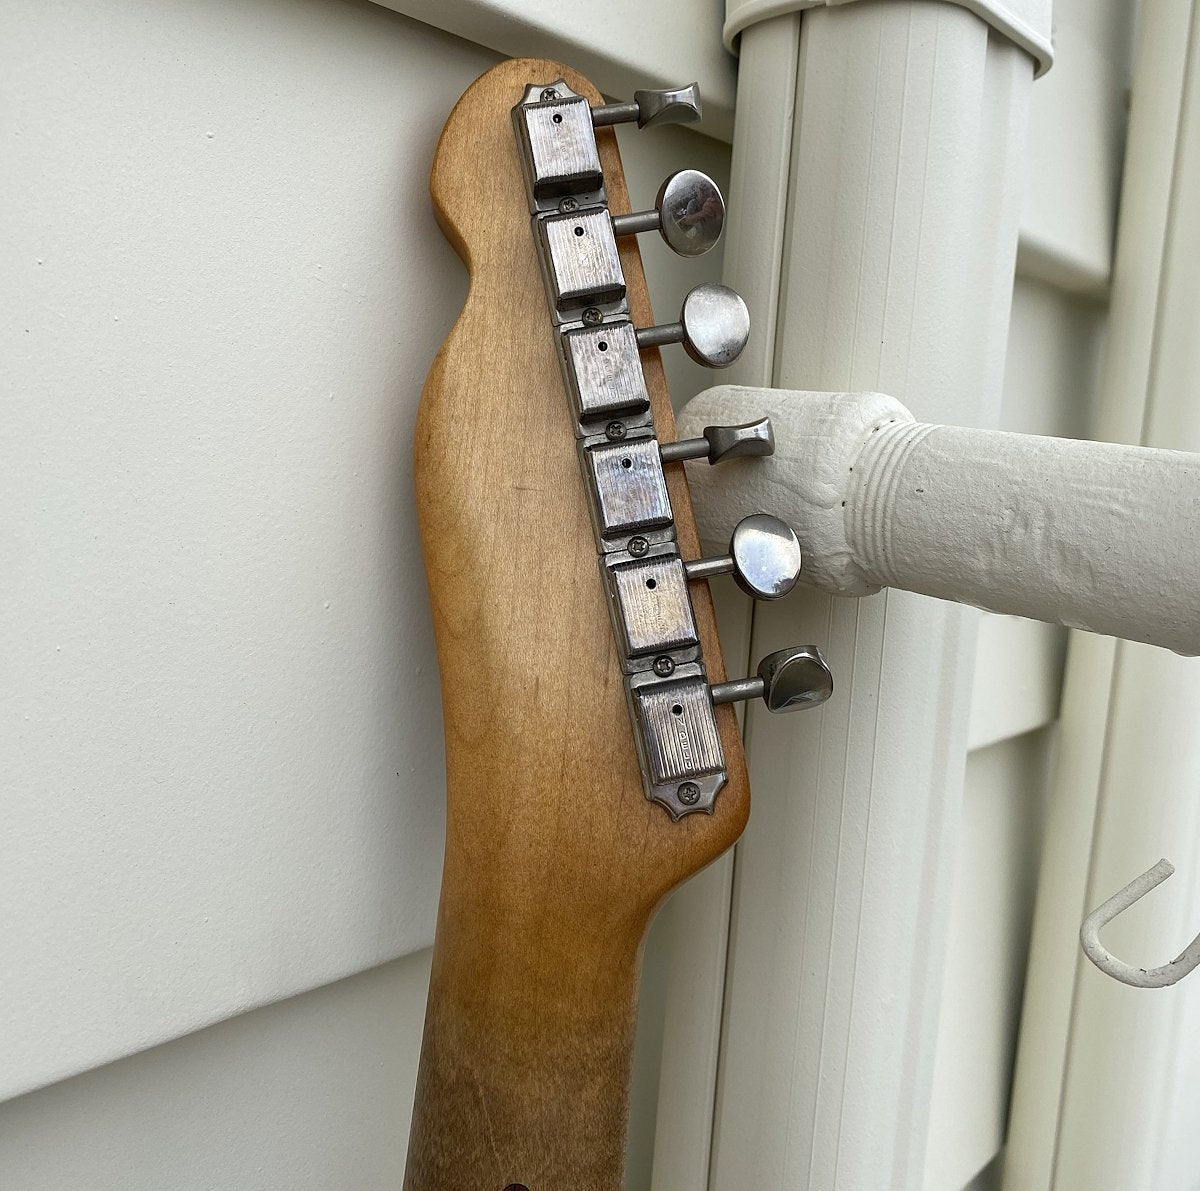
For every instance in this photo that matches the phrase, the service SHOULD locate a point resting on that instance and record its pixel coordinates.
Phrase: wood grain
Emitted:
(555, 860)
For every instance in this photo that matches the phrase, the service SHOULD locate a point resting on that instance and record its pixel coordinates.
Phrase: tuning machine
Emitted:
(555, 126)
(677, 739)
(787, 680)
(713, 326)
(647, 585)
(718, 443)
(670, 105)
(764, 558)
(689, 214)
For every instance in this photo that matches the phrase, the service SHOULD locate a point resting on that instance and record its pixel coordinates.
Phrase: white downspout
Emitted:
(896, 275)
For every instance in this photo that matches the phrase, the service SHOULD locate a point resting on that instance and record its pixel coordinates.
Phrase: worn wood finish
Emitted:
(555, 860)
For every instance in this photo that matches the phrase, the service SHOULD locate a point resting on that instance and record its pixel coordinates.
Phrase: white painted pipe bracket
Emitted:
(1097, 536)
(1026, 23)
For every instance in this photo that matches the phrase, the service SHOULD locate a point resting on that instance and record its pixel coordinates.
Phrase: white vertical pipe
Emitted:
(699, 912)
(1105, 1094)
(897, 276)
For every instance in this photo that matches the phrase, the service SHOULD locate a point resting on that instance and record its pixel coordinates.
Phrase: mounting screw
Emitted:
(689, 793)
(568, 205)
(664, 666)
(615, 431)
(592, 316)
(549, 93)
(638, 547)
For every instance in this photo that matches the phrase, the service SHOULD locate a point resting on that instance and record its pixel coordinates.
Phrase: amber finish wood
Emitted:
(555, 860)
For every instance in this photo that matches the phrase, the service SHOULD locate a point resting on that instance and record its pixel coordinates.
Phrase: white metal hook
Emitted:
(1089, 936)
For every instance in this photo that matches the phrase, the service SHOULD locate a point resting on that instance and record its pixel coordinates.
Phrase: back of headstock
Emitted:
(560, 845)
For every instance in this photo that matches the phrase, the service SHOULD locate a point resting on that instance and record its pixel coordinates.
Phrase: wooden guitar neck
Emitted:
(555, 858)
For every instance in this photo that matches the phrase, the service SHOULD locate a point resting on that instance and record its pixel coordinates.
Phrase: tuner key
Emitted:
(713, 327)
(788, 680)
(671, 105)
(689, 213)
(723, 442)
(764, 558)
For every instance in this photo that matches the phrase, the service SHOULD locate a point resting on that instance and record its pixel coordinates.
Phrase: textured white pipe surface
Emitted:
(1097, 536)
(895, 274)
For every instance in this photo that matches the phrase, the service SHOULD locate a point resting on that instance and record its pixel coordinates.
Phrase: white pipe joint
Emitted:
(1097, 536)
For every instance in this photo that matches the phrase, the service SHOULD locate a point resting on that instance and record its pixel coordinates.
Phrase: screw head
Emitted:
(549, 93)
(689, 793)
(568, 205)
(664, 666)
(638, 547)
(615, 431)
(591, 316)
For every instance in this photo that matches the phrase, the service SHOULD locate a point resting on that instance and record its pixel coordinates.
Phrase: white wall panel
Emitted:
(312, 1094)
(621, 44)
(224, 785)
(1076, 145)
(992, 909)
(224, 780)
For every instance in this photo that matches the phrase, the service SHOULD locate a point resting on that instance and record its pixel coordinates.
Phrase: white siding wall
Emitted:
(315, 1091)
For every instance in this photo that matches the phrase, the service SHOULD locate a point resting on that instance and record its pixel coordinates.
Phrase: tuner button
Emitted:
(689, 213)
(671, 105)
(764, 558)
(723, 442)
(788, 680)
(713, 327)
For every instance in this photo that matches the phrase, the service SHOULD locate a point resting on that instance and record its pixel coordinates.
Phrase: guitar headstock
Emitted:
(590, 749)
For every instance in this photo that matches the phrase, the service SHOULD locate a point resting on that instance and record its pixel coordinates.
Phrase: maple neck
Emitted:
(556, 853)
(526, 1056)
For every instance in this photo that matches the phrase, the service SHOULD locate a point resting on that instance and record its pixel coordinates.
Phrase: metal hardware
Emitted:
(671, 105)
(713, 327)
(788, 680)
(723, 442)
(671, 708)
(559, 154)
(677, 740)
(1089, 936)
(628, 490)
(604, 372)
(652, 612)
(764, 558)
(689, 213)
(580, 255)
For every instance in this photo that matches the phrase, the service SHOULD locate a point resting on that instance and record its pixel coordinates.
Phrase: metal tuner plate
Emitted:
(677, 740)
(671, 707)
(628, 491)
(558, 147)
(582, 265)
(604, 375)
(652, 610)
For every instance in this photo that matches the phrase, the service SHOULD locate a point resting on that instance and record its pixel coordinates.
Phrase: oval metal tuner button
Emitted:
(692, 212)
(766, 556)
(795, 678)
(716, 325)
